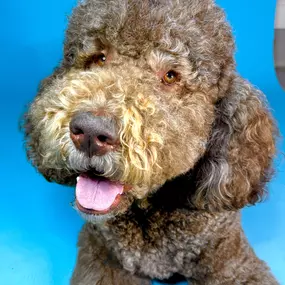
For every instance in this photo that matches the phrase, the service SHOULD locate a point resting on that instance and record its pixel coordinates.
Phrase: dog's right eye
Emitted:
(99, 59)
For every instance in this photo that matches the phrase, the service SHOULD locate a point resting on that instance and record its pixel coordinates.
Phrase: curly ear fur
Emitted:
(237, 164)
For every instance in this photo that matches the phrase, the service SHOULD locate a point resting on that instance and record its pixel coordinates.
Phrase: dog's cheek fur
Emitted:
(37, 148)
(237, 163)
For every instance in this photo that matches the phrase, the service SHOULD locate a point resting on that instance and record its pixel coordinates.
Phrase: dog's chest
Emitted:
(158, 247)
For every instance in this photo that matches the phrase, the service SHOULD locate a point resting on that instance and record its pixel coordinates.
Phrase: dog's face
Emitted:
(132, 104)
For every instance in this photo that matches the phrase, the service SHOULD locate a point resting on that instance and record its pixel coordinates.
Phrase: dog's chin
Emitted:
(94, 218)
(98, 198)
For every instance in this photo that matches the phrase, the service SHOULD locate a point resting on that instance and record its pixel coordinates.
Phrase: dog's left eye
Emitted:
(99, 59)
(170, 77)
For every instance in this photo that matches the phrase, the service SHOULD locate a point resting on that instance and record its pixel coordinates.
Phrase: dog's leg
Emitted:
(97, 266)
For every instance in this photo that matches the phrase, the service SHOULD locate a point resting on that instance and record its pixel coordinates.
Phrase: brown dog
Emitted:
(167, 143)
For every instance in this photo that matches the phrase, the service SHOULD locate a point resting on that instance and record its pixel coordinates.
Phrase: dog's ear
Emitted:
(237, 164)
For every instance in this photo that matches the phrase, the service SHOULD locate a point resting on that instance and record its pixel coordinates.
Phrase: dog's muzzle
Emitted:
(95, 136)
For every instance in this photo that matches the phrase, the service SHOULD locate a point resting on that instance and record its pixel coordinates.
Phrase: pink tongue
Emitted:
(98, 195)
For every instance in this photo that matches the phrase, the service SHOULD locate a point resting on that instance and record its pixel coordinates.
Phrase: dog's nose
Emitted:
(94, 135)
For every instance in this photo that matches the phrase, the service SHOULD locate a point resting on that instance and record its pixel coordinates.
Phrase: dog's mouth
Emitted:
(97, 195)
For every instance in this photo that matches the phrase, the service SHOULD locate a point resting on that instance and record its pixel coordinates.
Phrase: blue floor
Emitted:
(38, 228)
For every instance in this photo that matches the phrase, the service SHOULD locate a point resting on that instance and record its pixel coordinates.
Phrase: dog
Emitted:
(164, 142)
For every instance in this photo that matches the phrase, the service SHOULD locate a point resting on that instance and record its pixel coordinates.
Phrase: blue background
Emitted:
(38, 228)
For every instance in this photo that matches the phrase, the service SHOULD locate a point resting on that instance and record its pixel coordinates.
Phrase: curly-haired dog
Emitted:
(163, 140)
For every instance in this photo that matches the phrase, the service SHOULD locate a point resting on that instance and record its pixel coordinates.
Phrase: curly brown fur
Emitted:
(191, 154)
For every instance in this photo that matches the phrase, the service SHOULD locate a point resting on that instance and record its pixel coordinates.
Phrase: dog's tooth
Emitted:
(77, 179)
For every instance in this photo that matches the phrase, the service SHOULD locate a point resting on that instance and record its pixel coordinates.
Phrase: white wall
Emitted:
(280, 48)
(280, 34)
(280, 15)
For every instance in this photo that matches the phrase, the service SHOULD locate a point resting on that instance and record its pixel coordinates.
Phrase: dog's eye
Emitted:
(99, 59)
(170, 77)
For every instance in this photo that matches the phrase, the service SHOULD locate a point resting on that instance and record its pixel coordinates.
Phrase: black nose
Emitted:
(94, 135)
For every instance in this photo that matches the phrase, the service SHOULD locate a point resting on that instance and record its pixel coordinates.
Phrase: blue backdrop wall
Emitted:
(38, 228)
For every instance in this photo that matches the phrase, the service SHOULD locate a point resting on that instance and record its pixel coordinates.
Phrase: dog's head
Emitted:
(147, 92)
